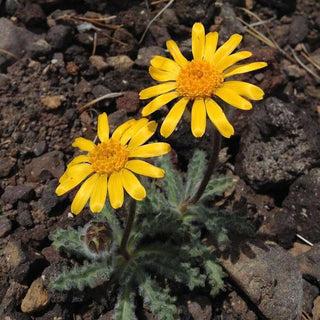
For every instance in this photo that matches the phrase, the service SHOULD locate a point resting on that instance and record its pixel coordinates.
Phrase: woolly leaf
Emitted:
(88, 275)
(125, 309)
(109, 214)
(158, 300)
(195, 172)
(215, 274)
(70, 240)
(172, 181)
(216, 187)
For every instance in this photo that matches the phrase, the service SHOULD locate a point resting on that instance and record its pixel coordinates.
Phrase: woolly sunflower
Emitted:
(201, 80)
(109, 166)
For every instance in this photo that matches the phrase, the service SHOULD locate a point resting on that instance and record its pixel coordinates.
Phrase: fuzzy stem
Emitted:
(127, 230)
(207, 175)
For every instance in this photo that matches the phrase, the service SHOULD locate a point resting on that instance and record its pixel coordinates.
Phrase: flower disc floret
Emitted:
(108, 157)
(198, 79)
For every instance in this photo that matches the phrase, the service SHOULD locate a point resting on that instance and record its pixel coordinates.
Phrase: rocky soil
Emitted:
(56, 56)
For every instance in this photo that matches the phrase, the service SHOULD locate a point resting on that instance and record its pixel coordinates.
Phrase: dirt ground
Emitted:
(58, 55)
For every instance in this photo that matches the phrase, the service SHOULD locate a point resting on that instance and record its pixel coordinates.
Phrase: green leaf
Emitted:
(157, 299)
(215, 274)
(195, 172)
(125, 309)
(89, 275)
(71, 241)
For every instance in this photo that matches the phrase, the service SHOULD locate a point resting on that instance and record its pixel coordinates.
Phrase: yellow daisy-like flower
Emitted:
(200, 81)
(108, 167)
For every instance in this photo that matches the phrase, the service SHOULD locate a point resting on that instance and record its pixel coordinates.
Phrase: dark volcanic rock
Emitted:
(282, 6)
(309, 263)
(303, 201)
(299, 30)
(271, 278)
(6, 165)
(14, 193)
(278, 144)
(59, 36)
(49, 200)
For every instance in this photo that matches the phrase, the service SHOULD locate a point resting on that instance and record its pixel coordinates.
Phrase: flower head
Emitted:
(108, 167)
(201, 81)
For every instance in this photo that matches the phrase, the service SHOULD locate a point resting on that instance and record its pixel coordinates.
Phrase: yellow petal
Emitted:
(143, 135)
(115, 190)
(210, 46)
(158, 102)
(173, 117)
(243, 68)
(227, 48)
(150, 150)
(228, 61)
(176, 53)
(132, 130)
(198, 40)
(145, 168)
(68, 182)
(99, 194)
(231, 97)
(165, 64)
(103, 127)
(161, 75)
(245, 89)
(79, 159)
(121, 129)
(132, 185)
(198, 118)
(218, 118)
(83, 144)
(83, 194)
(157, 90)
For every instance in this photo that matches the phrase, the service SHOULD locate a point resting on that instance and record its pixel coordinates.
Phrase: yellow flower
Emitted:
(200, 81)
(108, 166)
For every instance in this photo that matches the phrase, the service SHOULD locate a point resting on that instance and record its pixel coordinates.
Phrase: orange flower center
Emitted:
(198, 79)
(108, 157)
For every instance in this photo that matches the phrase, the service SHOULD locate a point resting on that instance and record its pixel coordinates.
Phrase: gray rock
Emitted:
(11, 6)
(6, 166)
(59, 36)
(39, 148)
(271, 278)
(299, 30)
(310, 292)
(51, 162)
(4, 80)
(280, 142)
(120, 63)
(145, 54)
(49, 200)
(38, 48)
(5, 226)
(100, 90)
(309, 263)
(129, 46)
(12, 194)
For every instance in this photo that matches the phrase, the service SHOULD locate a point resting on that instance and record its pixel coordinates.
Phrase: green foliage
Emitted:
(88, 275)
(124, 309)
(216, 187)
(215, 275)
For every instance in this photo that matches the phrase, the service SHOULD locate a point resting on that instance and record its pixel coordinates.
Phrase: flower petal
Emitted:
(158, 102)
(176, 53)
(143, 135)
(121, 129)
(231, 97)
(198, 40)
(103, 127)
(99, 194)
(150, 150)
(68, 182)
(210, 46)
(227, 48)
(79, 159)
(243, 68)
(115, 190)
(173, 117)
(127, 135)
(228, 61)
(83, 194)
(144, 168)
(132, 185)
(83, 144)
(165, 64)
(245, 89)
(218, 118)
(161, 75)
(198, 118)
(157, 90)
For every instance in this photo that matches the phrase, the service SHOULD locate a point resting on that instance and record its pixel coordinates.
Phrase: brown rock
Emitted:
(36, 297)
(310, 261)
(200, 308)
(6, 165)
(98, 62)
(120, 63)
(129, 102)
(316, 308)
(52, 102)
(13, 254)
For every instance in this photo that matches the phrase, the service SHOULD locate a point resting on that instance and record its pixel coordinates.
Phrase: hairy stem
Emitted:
(127, 230)
(207, 175)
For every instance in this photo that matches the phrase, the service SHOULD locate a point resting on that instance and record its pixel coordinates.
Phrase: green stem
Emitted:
(207, 175)
(127, 230)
